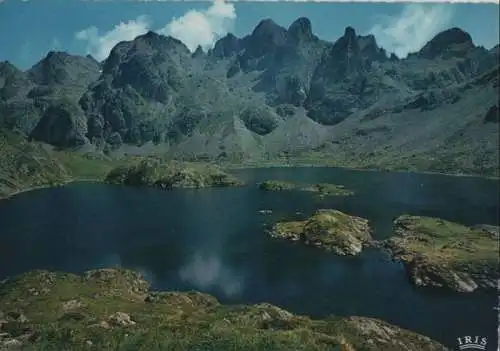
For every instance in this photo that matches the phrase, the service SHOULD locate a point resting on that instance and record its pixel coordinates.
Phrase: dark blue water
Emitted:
(212, 240)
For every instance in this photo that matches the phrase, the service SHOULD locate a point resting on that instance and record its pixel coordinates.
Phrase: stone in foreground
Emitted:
(444, 254)
(328, 229)
(113, 309)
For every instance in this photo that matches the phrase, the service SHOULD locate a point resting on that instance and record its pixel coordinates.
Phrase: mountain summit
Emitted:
(275, 90)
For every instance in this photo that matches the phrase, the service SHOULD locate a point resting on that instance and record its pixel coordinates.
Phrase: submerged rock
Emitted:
(331, 230)
(444, 254)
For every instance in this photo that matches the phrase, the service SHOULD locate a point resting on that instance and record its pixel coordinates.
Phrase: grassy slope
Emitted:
(445, 243)
(57, 311)
(25, 165)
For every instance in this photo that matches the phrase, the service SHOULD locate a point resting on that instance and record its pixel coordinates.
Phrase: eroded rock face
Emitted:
(438, 253)
(62, 125)
(330, 230)
(451, 42)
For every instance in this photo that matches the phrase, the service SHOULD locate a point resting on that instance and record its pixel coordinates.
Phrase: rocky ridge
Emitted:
(277, 90)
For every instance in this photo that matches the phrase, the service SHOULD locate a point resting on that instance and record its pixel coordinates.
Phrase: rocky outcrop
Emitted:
(226, 46)
(330, 230)
(321, 189)
(276, 185)
(109, 315)
(442, 254)
(449, 43)
(327, 189)
(62, 125)
(345, 79)
(493, 115)
(168, 176)
(61, 68)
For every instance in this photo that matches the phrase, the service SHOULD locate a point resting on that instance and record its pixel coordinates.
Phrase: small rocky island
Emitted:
(151, 172)
(443, 254)
(322, 189)
(328, 229)
(113, 309)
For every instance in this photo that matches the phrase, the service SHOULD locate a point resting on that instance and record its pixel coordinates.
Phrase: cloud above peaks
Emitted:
(195, 27)
(100, 46)
(412, 28)
(202, 27)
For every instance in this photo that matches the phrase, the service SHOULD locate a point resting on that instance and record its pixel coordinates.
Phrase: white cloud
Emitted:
(195, 27)
(412, 28)
(202, 27)
(100, 46)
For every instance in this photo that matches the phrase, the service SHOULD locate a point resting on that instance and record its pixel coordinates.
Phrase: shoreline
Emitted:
(242, 167)
(47, 186)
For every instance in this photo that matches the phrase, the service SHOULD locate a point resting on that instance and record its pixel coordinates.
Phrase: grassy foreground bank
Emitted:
(113, 309)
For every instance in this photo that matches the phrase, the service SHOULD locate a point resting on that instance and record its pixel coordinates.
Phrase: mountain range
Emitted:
(277, 91)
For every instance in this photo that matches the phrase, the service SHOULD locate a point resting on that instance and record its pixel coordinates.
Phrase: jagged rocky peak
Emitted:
(161, 42)
(198, 52)
(268, 31)
(495, 50)
(348, 43)
(370, 49)
(12, 80)
(149, 46)
(301, 29)
(350, 33)
(353, 45)
(226, 46)
(7, 68)
(9, 72)
(63, 68)
(92, 58)
(449, 43)
(265, 38)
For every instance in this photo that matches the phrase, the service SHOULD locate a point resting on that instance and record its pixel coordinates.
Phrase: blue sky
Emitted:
(29, 29)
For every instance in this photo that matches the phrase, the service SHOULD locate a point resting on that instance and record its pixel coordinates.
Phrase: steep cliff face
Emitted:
(274, 90)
